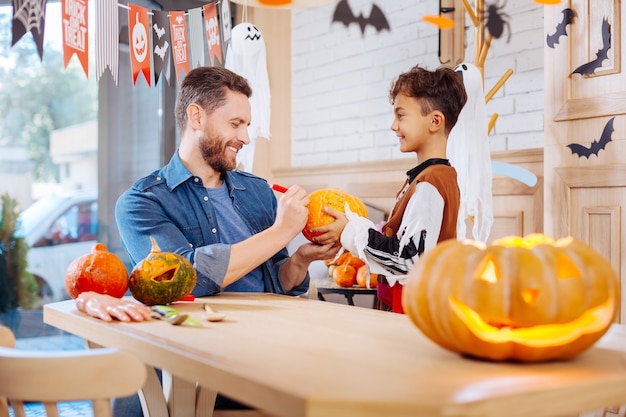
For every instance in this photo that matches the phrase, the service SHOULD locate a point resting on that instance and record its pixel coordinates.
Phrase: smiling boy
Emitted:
(426, 106)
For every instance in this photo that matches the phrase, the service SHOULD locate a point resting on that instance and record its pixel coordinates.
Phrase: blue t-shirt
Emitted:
(234, 230)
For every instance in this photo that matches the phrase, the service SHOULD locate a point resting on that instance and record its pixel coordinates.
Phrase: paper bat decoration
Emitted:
(589, 68)
(596, 145)
(568, 17)
(343, 14)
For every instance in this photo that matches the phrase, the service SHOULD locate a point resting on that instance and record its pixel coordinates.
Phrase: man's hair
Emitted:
(441, 90)
(207, 87)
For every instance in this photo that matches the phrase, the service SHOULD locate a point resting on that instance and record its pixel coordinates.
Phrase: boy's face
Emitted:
(409, 124)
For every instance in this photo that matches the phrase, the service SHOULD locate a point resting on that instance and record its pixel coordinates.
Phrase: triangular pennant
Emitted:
(226, 26)
(139, 41)
(107, 38)
(162, 50)
(212, 29)
(29, 16)
(196, 38)
(180, 50)
(74, 15)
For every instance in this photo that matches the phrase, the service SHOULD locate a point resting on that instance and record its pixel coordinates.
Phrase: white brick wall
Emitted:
(341, 112)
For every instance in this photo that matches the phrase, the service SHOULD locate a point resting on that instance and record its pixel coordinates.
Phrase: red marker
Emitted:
(278, 188)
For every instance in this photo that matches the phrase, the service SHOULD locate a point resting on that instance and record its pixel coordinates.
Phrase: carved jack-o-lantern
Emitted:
(524, 299)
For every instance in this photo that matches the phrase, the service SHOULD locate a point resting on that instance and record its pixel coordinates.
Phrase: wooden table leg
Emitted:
(205, 402)
(180, 395)
(151, 396)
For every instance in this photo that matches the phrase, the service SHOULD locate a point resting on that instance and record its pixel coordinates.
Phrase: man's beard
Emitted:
(213, 150)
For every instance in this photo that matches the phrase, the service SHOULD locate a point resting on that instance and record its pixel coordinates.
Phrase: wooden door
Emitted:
(585, 128)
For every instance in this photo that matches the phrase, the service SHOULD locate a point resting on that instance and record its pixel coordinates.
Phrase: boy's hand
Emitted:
(331, 233)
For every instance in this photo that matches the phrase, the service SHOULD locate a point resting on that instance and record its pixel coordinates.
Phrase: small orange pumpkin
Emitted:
(522, 299)
(162, 277)
(333, 198)
(100, 271)
(365, 279)
(344, 275)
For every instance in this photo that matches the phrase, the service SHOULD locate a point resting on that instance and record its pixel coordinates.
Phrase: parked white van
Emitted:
(58, 229)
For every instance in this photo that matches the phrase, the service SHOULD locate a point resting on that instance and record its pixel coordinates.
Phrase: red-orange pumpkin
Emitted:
(523, 299)
(100, 271)
(162, 277)
(344, 275)
(333, 198)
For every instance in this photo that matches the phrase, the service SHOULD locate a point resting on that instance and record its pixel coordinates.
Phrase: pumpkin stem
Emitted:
(155, 247)
(99, 247)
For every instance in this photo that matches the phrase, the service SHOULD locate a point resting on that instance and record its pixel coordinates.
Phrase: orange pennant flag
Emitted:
(74, 16)
(139, 41)
(180, 44)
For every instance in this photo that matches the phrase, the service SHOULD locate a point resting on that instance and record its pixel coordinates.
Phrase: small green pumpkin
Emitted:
(162, 277)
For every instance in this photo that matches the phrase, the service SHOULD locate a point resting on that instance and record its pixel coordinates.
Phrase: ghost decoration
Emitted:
(246, 57)
(468, 152)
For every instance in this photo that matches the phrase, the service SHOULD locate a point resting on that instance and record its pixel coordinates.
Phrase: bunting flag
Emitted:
(196, 40)
(107, 38)
(180, 51)
(224, 11)
(176, 37)
(162, 41)
(74, 15)
(139, 41)
(212, 29)
(29, 16)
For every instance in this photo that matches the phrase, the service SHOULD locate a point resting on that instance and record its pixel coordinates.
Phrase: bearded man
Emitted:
(227, 223)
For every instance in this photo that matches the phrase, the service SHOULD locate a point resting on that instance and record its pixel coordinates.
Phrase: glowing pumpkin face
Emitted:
(525, 299)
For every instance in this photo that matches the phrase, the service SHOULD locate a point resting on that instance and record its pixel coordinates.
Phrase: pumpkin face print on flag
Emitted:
(139, 41)
(212, 30)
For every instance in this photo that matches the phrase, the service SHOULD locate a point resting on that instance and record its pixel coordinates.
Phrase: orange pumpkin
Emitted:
(344, 275)
(523, 299)
(333, 198)
(100, 271)
(365, 279)
(162, 277)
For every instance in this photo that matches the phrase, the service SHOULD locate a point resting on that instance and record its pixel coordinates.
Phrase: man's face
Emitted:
(225, 132)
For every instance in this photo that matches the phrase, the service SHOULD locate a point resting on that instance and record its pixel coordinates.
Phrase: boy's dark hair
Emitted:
(441, 90)
(207, 86)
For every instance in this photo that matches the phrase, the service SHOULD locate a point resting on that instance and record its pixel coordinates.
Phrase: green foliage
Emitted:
(39, 96)
(18, 288)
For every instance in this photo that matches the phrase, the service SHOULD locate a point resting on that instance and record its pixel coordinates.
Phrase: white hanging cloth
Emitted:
(468, 152)
(246, 57)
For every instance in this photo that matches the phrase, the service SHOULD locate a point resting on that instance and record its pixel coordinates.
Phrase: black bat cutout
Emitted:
(568, 17)
(343, 14)
(596, 145)
(589, 68)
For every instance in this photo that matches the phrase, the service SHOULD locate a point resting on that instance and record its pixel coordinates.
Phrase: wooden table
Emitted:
(297, 357)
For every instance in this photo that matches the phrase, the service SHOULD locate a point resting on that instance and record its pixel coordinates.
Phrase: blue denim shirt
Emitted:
(173, 207)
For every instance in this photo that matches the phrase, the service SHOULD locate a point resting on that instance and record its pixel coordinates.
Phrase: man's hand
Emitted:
(331, 233)
(310, 252)
(107, 307)
(292, 210)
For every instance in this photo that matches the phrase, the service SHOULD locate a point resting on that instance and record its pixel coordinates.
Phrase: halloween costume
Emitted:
(425, 213)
